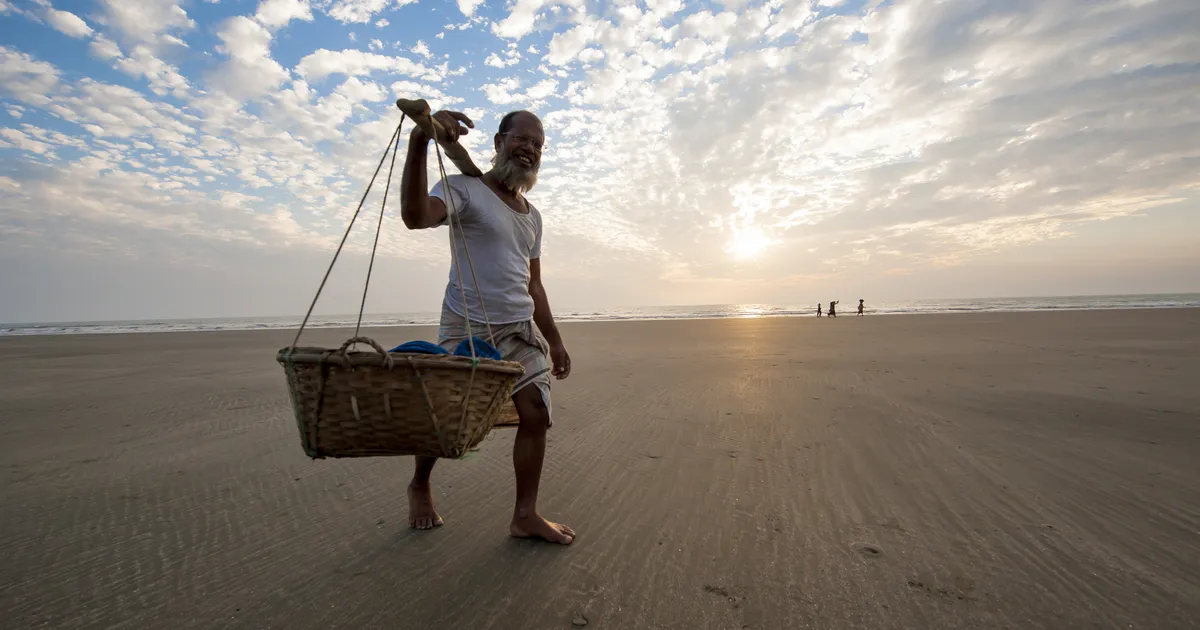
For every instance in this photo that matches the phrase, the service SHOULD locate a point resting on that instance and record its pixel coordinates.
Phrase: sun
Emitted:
(748, 243)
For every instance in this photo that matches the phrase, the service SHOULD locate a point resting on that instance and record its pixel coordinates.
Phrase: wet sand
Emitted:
(939, 471)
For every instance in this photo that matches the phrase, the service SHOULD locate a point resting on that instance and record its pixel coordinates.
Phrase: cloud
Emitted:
(520, 20)
(250, 70)
(542, 90)
(68, 23)
(112, 200)
(324, 63)
(274, 14)
(565, 46)
(20, 140)
(362, 11)
(356, 91)
(270, 153)
(436, 97)
(173, 40)
(709, 26)
(496, 61)
(736, 150)
(842, 134)
(503, 91)
(26, 79)
(104, 48)
(163, 78)
(121, 112)
(790, 20)
(145, 20)
(468, 6)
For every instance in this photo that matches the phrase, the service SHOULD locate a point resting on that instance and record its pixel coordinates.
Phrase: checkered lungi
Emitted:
(521, 342)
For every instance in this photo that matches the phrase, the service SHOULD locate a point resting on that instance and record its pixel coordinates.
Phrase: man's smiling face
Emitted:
(519, 152)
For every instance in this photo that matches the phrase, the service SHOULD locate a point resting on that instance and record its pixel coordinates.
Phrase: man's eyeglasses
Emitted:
(524, 139)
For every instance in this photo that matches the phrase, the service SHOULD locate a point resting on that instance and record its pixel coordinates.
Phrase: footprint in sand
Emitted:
(733, 600)
(867, 549)
(960, 588)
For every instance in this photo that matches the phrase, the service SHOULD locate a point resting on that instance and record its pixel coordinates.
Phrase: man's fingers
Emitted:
(450, 119)
(451, 128)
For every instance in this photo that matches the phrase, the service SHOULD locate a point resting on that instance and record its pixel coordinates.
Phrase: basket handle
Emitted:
(387, 358)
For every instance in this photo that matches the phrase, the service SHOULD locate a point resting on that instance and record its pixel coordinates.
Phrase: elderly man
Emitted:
(504, 234)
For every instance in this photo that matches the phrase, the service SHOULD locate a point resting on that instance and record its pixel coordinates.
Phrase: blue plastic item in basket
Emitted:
(420, 347)
(483, 349)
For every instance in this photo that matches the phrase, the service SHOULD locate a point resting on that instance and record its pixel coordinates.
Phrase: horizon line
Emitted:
(598, 310)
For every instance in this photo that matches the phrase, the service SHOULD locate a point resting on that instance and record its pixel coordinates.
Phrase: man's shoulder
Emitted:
(458, 181)
(464, 187)
(533, 210)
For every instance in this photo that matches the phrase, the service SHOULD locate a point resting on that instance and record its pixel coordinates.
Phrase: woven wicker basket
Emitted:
(367, 404)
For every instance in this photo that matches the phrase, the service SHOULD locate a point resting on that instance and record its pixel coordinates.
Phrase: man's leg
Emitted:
(420, 496)
(529, 450)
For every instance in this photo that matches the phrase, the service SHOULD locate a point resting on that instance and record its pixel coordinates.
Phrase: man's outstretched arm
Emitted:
(417, 208)
(545, 321)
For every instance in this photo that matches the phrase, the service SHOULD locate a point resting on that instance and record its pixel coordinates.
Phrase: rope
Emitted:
(394, 147)
(395, 137)
(470, 264)
(378, 228)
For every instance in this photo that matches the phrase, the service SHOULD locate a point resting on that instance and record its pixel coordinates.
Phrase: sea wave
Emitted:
(1102, 302)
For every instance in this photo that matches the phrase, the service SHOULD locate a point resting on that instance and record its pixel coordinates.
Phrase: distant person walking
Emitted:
(860, 307)
(818, 309)
(833, 308)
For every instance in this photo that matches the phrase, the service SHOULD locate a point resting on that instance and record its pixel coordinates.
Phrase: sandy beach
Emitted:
(1025, 470)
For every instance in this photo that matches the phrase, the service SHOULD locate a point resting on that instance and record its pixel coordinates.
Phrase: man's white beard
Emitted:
(513, 175)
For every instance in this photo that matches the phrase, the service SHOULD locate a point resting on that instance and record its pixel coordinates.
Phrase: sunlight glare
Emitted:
(748, 243)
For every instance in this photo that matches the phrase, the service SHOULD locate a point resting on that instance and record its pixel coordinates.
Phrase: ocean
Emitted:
(845, 308)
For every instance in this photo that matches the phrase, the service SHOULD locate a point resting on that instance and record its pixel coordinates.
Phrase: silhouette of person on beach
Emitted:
(818, 309)
(833, 308)
(860, 307)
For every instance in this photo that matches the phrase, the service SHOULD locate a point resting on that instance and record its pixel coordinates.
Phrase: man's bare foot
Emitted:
(421, 514)
(535, 526)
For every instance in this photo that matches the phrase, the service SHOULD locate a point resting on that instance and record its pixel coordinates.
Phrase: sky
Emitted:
(202, 158)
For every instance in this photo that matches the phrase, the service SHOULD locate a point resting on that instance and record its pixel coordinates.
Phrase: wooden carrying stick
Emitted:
(418, 111)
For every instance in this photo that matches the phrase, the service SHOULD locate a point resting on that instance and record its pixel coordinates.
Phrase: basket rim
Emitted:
(319, 355)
